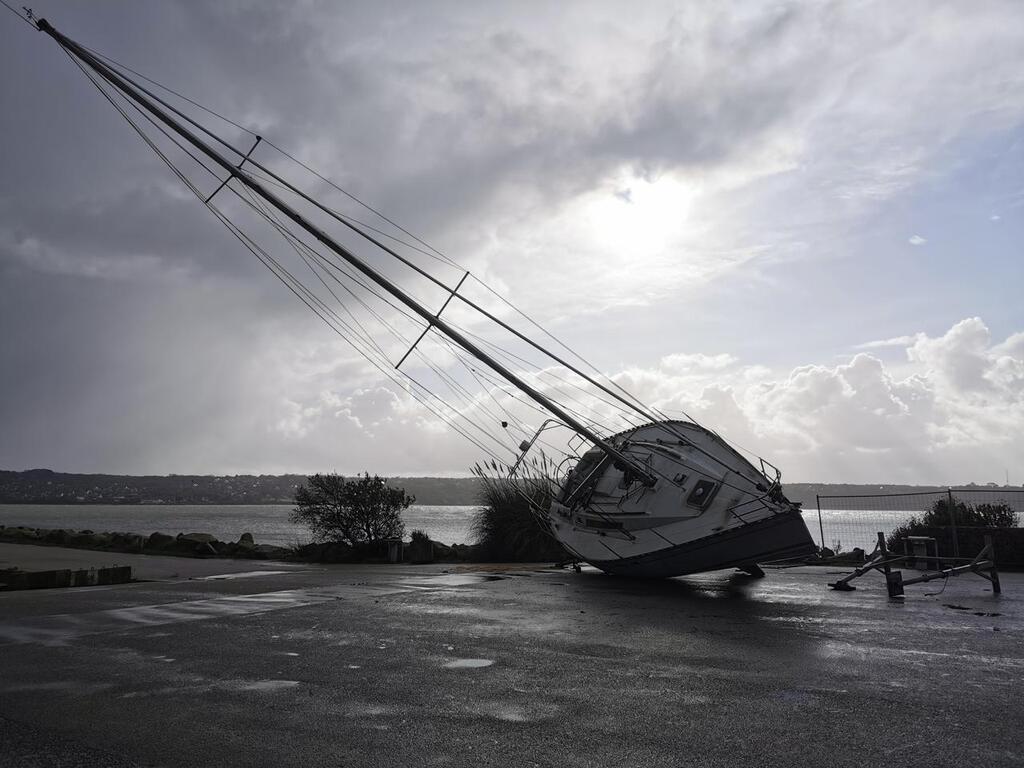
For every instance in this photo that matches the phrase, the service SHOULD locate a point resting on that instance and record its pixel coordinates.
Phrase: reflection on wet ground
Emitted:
(468, 663)
(295, 668)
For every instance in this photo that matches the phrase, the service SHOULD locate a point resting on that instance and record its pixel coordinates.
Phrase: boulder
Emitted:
(83, 540)
(159, 541)
(245, 540)
(132, 542)
(21, 532)
(441, 551)
(309, 552)
(56, 536)
(472, 553)
(265, 551)
(198, 538)
(421, 551)
(327, 552)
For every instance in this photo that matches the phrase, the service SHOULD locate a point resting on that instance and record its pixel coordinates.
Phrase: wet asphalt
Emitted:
(276, 665)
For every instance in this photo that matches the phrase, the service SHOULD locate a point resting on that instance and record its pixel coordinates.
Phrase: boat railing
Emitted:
(774, 485)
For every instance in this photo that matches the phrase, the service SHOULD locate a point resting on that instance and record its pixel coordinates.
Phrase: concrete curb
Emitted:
(91, 577)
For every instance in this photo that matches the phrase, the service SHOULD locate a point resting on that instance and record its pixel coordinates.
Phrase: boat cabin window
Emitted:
(702, 494)
(587, 469)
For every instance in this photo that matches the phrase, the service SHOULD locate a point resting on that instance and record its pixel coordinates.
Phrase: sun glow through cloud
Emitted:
(637, 217)
(722, 204)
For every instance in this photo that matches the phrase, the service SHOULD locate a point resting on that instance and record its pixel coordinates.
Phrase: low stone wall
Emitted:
(415, 552)
(182, 545)
(206, 545)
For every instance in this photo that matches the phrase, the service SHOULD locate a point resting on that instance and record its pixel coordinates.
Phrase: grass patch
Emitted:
(510, 525)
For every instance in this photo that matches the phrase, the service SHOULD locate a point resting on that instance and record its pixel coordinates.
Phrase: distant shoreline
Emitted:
(45, 487)
(92, 503)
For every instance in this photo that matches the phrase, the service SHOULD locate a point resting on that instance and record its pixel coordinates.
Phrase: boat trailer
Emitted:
(882, 560)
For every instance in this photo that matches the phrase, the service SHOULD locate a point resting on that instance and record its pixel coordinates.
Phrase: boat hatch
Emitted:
(702, 494)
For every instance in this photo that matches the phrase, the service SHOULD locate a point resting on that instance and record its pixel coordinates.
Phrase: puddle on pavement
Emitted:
(513, 713)
(468, 663)
(242, 575)
(451, 580)
(312, 633)
(509, 714)
(796, 698)
(268, 686)
(373, 710)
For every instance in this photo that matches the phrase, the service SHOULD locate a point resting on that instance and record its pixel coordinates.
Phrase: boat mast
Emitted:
(129, 89)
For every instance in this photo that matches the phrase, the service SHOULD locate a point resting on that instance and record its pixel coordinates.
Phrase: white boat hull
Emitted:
(708, 509)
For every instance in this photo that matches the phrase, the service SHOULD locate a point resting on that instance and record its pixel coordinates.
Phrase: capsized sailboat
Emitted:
(633, 492)
(708, 507)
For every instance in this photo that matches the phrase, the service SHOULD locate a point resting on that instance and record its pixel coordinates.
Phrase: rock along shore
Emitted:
(207, 545)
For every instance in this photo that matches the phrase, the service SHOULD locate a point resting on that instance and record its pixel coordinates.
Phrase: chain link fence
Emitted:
(950, 517)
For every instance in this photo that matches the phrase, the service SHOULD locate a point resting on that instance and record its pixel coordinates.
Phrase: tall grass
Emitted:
(511, 525)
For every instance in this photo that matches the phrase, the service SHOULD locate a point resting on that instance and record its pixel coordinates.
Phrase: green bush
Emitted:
(509, 526)
(973, 521)
(360, 512)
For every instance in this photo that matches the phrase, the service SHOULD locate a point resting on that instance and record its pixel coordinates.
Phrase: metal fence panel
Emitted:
(843, 523)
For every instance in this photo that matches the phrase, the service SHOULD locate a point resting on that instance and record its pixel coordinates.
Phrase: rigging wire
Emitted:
(368, 337)
(625, 398)
(278, 270)
(509, 356)
(437, 254)
(464, 395)
(457, 388)
(262, 177)
(24, 17)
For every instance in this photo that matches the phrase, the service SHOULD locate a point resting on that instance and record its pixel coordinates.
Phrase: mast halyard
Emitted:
(138, 95)
(634, 503)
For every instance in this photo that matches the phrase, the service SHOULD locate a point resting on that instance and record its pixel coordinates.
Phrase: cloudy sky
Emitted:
(801, 222)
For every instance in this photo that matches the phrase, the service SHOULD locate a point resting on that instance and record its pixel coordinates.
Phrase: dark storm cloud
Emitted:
(427, 120)
(102, 254)
(136, 335)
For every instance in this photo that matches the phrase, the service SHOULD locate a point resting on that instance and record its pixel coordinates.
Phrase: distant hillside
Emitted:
(42, 486)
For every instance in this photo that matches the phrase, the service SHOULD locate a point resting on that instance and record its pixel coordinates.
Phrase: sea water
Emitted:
(269, 523)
